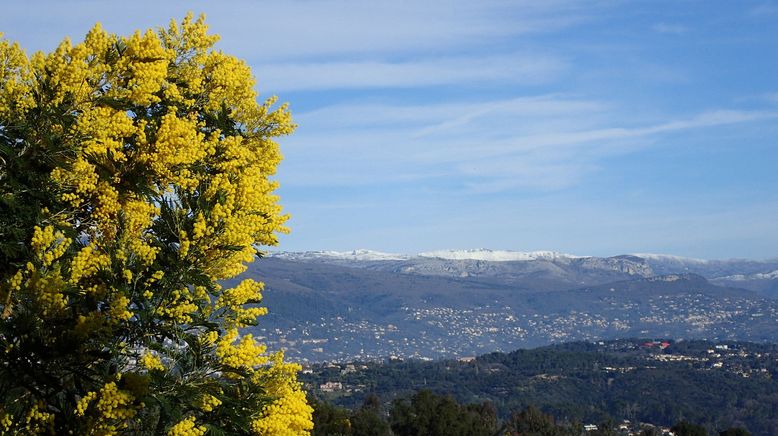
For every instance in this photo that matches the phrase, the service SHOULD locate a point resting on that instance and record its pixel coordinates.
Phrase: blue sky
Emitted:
(593, 128)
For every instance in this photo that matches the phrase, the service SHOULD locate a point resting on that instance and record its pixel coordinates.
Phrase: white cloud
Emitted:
(543, 142)
(670, 28)
(259, 31)
(771, 97)
(437, 117)
(764, 9)
(511, 68)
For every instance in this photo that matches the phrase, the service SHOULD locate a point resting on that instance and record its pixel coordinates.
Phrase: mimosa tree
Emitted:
(134, 179)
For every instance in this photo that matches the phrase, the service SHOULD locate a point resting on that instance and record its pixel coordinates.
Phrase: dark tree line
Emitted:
(427, 414)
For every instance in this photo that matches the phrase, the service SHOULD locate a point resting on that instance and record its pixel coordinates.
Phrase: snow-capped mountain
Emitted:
(497, 255)
(548, 268)
(354, 255)
(773, 275)
(669, 258)
(483, 254)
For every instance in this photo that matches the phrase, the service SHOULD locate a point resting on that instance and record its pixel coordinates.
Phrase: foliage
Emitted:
(428, 414)
(685, 428)
(368, 420)
(589, 383)
(330, 420)
(134, 177)
(533, 422)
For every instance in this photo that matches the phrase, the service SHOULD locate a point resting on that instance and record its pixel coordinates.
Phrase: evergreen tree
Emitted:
(531, 421)
(330, 420)
(369, 420)
(428, 414)
(685, 428)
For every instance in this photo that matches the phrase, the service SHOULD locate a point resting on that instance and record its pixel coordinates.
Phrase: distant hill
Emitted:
(549, 269)
(716, 384)
(368, 305)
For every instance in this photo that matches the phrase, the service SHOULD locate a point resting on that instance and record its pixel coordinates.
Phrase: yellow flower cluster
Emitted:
(208, 402)
(178, 144)
(246, 354)
(15, 81)
(115, 403)
(290, 415)
(199, 227)
(65, 72)
(152, 362)
(119, 310)
(83, 403)
(87, 325)
(190, 37)
(190, 43)
(47, 289)
(230, 81)
(15, 282)
(6, 421)
(112, 411)
(145, 62)
(48, 244)
(87, 262)
(180, 306)
(101, 131)
(209, 338)
(38, 420)
(187, 427)
(137, 216)
(78, 182)
(235, 299)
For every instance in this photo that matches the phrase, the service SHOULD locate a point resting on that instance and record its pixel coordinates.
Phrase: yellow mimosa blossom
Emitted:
(208, 402)
(187, 427)
(144, 166)
(152, 362)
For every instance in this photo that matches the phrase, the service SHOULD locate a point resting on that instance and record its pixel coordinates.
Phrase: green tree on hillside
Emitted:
(428, 414)
(685, 428)
(368, 420)
(532, 421)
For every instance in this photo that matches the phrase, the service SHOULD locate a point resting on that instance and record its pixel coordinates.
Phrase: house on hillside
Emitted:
(331, 386)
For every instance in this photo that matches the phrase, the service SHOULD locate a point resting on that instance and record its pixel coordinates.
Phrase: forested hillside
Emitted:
(717, 385)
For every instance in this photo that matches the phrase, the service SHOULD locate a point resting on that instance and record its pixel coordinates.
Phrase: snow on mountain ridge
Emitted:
(757, 276)
(473, 254)
(483, 254)
(357, 255)
(496, 255)
(668, 257)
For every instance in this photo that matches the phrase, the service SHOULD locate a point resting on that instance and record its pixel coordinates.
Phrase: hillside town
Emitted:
(446, 332)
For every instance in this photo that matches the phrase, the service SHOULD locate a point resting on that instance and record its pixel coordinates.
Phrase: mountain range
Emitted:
(363, 304)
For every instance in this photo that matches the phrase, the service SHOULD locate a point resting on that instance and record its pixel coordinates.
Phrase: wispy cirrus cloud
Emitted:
(764, 9)
(260, 31)
(544, 142)
(670, 28)
(430, 71)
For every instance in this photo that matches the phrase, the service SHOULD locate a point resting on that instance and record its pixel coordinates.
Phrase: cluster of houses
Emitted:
(626, 428)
